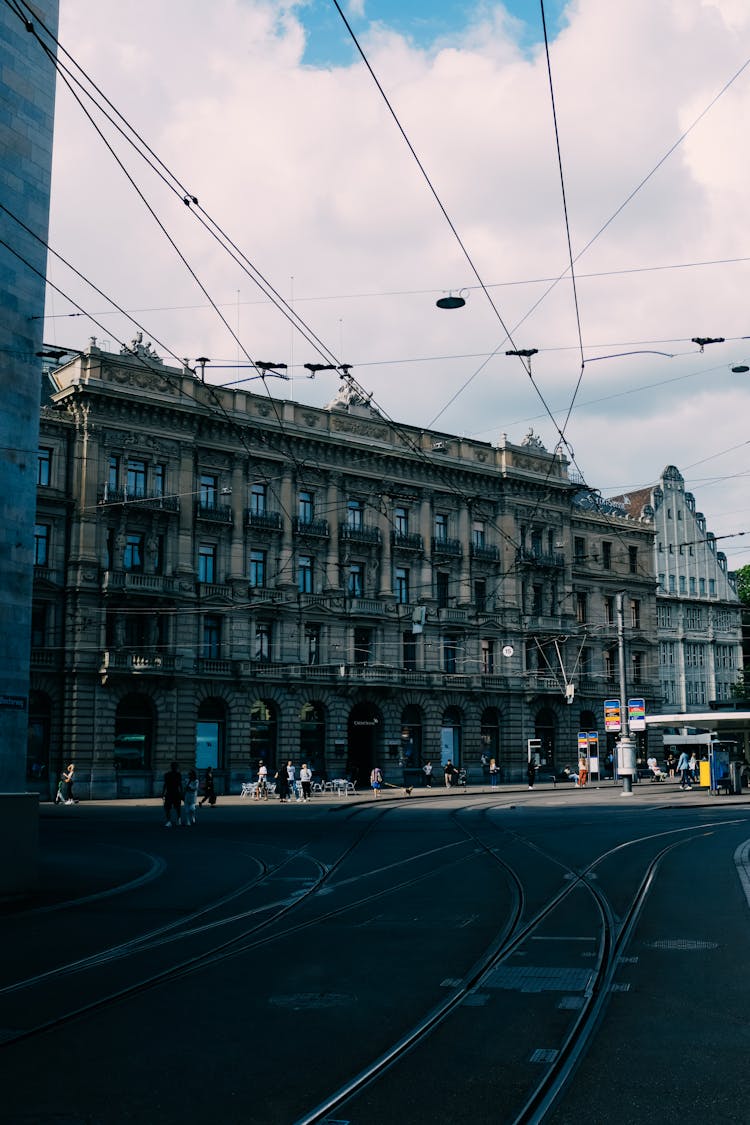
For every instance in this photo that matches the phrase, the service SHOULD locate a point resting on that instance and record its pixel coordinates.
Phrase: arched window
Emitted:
(134, 733)
(411, 735)
(263, 733)
(450, 736)
(312, 737)
(210, 734)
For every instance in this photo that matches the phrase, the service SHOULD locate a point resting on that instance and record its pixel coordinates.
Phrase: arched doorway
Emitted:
(263, 734)
(450, 737)
(134, 733)
(545, 729)
(40, 772)
(411, 736)
(364, 742)
(312, 738)
(210, 734)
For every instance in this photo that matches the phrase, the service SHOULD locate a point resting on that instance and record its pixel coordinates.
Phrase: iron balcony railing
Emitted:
(148, 501)
(316, 528)
(213, 513)
(263, 521)
(362, 534)
(451, 547)
(407, 541)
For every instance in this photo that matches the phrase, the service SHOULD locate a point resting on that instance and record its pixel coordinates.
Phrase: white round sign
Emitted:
(507, 650)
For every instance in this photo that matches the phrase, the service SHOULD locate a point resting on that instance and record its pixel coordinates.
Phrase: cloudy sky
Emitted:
(267, 114)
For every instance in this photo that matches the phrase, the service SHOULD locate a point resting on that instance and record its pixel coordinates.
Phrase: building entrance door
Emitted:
(364, 742)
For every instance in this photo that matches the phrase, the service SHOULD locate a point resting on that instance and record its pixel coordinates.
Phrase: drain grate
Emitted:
(538, 978)
(682, 943)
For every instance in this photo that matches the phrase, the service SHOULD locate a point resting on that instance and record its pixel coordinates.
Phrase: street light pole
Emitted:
(626, 745)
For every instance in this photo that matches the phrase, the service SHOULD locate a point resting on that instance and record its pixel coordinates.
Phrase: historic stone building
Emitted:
(223, 576)
(699, 615)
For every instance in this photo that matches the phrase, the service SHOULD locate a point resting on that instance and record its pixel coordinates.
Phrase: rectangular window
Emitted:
(208, 490)
(450, 655)
(635, 613)
(306, 507)
(488, 655)
(206, 562)
(637, 667)
(579, 549)
(44, 467)
(355, 580)
(133, 554)
(312, 643)
(402, 585)
(409, 651)
(692, 586)
(712, 587)
(401, 521)
(355, 514)
(531, 656)
(682, 584)
(441, 527)
(257, 571)
(672, 584)
(478, 533)
(663, 616)
(362, 645)
(39, 618)
(610, 659)
(258, 499)
(537, 593)
(211, 637)
(702, 587)
(263, 637)
(609, 611)
(113, 478)
(41, 544)
(480, 594)
(606, 555)
(135, 477)
(442, 580)
(158, 480)
(581, 609)
(633, 559)
(305, 574)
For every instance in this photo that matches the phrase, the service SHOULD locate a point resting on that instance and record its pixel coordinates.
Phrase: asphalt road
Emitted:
(557, 955)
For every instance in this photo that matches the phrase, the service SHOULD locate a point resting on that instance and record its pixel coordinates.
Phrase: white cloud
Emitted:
(306, 170)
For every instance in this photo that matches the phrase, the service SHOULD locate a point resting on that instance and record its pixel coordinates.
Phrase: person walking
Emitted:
(191, 796)
(494, 772)
(531, 773)
(305, 780)
(376, 780)
(449, 771)
(427, 771)
(171, 795)
(209, 792)
(683, 769)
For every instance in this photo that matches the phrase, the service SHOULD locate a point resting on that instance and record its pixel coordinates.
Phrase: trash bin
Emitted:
(735, 774)
(704, 769)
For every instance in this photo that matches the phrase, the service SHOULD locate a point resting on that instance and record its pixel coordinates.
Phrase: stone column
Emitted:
(464, 535)
(334, 505)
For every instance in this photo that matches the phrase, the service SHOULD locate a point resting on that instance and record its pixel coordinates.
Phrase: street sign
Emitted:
(636, 714)
(612, 717)
(583, 744)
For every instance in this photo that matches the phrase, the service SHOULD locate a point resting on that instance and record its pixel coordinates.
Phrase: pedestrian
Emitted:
(427, 771)
(191, 796)
(449, 771)
(376, 780)
(494, 772)
(209, 793)
(282, 784)
(291, 774)
(531, 773)
(683, 768)
(692, 766)
(305, 780)
(261, 791)
(583, 772)
(171, 795)
(67, 779)
(671, 763)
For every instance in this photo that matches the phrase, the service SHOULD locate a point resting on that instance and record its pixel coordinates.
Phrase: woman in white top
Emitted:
(305, 779)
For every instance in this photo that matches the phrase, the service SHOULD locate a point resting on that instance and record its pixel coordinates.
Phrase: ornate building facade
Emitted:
(222, 577)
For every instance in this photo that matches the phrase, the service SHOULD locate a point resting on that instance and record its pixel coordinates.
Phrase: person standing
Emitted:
(171, 795)
(692, 766)
(282, 784)
(191, 796)
(427, 771)
(531, 773)
(449, 771)
(209, 792)
(68, 783)
(262, 791)
(291, 774)
(305, 780)
(583, 772)
(494, 772)
(683, 768)
(376, 780)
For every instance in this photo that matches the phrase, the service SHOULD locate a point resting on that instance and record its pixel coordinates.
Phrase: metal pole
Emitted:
(625, 747)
